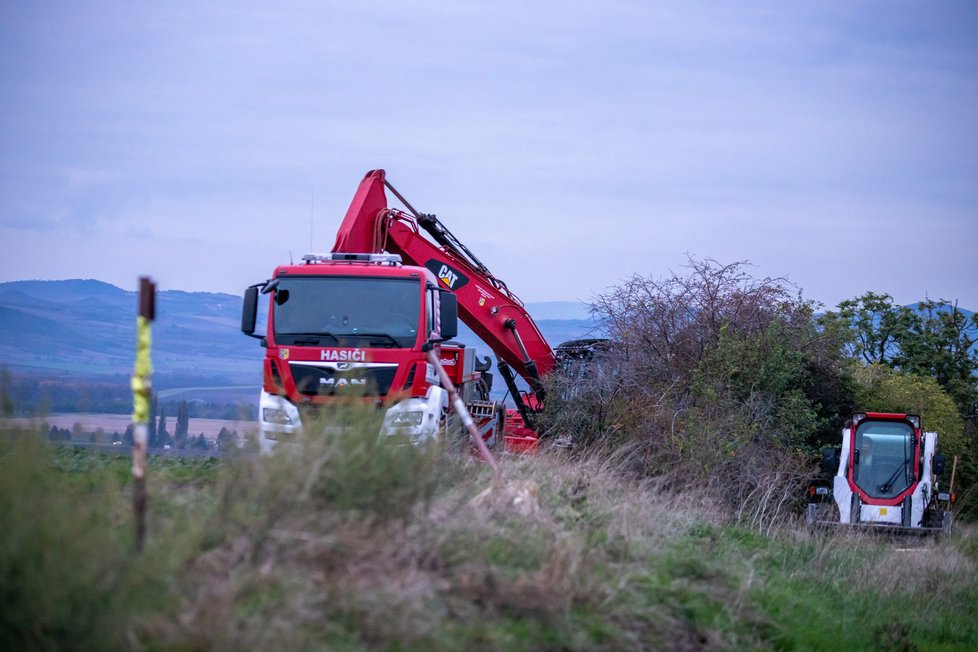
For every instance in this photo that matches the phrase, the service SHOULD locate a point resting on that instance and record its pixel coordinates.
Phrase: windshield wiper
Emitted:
(309, 339)
(886, 486)
(383, 337)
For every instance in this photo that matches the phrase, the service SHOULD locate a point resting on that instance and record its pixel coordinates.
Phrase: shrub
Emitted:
(722, 379)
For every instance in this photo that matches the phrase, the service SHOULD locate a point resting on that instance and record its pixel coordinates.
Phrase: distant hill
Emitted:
(967, 313)
(87, 328)
(82, 328)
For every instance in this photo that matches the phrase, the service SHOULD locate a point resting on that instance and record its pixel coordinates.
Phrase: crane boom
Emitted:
(486, 304)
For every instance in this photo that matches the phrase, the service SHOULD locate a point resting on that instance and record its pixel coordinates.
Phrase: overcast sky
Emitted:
(568, 144)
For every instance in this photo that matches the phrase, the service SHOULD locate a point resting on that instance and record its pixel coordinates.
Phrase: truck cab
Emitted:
(356, 327)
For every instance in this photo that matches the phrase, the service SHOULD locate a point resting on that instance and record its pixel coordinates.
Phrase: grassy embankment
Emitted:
(350, 543)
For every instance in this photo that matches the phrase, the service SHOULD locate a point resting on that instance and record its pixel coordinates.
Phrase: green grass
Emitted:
(349, 543)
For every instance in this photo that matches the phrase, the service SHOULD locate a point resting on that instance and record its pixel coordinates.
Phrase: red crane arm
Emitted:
(486, 305)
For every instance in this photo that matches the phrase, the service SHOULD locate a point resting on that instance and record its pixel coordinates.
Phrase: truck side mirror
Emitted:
(448, 326)
(249, 311)
(939, 462)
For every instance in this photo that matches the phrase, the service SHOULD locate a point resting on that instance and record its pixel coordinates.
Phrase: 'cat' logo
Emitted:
(451, 277)
(447, 276)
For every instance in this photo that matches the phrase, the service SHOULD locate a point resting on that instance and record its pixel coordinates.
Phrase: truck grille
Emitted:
(353, 379)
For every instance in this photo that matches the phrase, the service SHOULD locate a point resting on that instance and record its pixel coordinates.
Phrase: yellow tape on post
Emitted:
(141, 393)
(142, 372)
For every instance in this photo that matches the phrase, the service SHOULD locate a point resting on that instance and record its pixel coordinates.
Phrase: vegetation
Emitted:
(737, 382)
(348, 542)
(672, 522)
(933, 339)
(719, 376)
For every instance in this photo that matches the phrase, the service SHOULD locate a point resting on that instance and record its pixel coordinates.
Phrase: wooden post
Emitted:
(141, 394)
(950, 486)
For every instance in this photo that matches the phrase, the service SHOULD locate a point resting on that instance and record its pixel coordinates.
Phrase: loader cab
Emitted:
(885, 456)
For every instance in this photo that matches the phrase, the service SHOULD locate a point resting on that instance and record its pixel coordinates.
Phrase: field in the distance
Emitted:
(110, 423)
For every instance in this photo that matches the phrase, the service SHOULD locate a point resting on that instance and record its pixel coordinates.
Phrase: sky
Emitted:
(570, 145)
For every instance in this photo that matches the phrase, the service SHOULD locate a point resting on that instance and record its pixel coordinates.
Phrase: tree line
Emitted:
(158, 432)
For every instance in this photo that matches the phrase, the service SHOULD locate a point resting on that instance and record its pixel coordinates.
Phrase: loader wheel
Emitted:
(933, 518)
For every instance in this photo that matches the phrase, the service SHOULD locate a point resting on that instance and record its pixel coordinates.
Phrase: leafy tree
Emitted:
(6, 397)
(933, 340)
(59, 434)
(162, 434)
(870, 327)
(251, 441)
(183, 425)
(152, 438)
(937, 341)
(226, 440)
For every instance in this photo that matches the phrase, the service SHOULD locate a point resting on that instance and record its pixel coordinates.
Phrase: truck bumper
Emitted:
(416, 419)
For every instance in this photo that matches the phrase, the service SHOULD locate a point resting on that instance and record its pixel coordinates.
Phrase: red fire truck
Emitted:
(361, 320)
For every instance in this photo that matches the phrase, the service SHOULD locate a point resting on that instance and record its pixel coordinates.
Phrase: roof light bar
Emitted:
(388, 259)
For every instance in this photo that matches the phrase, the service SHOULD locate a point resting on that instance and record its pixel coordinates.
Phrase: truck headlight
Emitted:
(276, 416)
(406, 419)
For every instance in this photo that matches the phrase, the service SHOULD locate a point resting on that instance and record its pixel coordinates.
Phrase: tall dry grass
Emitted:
(347, 541)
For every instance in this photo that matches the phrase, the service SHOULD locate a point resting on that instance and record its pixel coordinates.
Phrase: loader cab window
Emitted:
(886, 453)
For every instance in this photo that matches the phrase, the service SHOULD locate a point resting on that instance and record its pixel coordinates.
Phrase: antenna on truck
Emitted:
(312, 214)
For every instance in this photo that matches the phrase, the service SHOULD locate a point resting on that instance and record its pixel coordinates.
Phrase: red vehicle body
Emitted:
(374, 340)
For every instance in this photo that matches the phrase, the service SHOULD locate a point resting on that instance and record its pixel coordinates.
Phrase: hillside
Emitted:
(87, 328)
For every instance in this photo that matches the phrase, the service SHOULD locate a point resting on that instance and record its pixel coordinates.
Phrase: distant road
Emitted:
(176, 391)
(126, 451)
(110, 423)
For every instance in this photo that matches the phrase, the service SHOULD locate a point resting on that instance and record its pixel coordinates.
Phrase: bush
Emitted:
(722, 379)
(62, 569)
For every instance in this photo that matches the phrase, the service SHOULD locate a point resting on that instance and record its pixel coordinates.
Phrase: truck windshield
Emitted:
(886, 451)
(351, 311)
